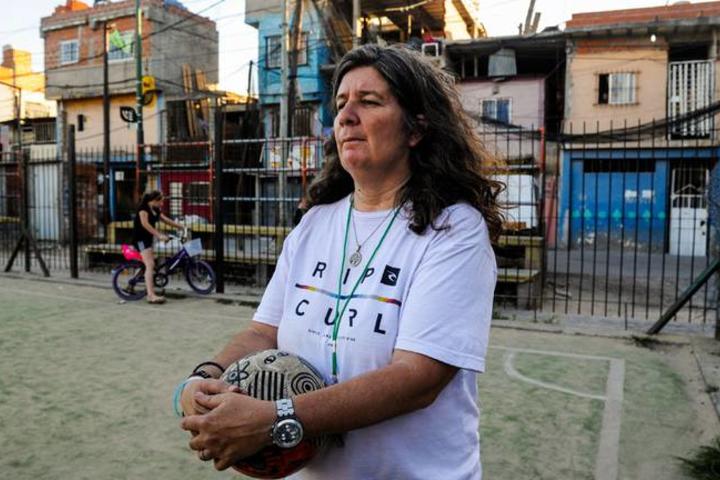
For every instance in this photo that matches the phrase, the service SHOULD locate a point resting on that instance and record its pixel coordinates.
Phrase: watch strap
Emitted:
(284, 408)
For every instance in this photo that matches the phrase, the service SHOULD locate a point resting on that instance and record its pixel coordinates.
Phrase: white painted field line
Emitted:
(606, 465)
(607, 460)
(551, 352)
(511, 372)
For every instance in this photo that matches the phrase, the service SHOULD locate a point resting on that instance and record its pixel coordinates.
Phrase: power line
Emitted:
(157, 32)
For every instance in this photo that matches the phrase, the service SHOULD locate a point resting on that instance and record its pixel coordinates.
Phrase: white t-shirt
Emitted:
(431, 294)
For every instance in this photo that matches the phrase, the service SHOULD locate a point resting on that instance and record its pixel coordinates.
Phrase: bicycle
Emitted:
(128, 278)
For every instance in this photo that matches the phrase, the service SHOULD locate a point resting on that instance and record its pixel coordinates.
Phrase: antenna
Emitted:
(536, 22)
(528, 18)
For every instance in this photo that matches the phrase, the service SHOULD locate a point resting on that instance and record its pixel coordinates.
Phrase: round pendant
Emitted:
(355, 258)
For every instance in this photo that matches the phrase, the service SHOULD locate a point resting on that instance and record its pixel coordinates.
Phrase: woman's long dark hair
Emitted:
(149, 197)
(446, 165)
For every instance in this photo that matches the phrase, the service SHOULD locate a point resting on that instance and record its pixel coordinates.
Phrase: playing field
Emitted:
(87, 382)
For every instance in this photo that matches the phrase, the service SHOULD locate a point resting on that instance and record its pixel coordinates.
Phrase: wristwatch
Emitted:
(287, 431)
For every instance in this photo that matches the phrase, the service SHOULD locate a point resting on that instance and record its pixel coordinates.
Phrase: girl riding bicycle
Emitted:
(144, 231)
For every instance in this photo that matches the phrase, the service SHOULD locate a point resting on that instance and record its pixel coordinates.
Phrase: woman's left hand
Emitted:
(235, 427)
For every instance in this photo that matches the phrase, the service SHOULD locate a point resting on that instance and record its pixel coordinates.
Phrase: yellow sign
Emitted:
(149, 91)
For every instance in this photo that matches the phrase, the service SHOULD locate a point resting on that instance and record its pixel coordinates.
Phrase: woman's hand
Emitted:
(208, 387)
(235, 427)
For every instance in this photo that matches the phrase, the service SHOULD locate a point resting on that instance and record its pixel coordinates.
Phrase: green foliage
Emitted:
(704, 464)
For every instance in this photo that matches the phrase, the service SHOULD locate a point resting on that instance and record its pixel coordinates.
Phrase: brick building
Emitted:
(179, 50)
(22, 92)
(650, 72)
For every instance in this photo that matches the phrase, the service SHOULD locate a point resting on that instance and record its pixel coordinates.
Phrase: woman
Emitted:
(400, 222)
(144, 231)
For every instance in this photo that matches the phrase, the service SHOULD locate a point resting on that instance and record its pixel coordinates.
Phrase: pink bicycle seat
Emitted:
(130, 253)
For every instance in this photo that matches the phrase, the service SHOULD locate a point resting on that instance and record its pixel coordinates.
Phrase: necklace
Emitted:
(338, 310)
(356, 257)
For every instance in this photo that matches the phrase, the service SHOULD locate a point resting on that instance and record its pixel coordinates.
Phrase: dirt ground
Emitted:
(86, 387)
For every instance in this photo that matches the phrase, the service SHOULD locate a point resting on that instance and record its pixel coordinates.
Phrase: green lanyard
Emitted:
(338, 312)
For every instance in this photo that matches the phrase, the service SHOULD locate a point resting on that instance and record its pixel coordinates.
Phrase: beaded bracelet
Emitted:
(196, 370)
(178, 393)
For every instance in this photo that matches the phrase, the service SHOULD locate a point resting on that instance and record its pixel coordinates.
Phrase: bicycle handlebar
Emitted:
(183, 237)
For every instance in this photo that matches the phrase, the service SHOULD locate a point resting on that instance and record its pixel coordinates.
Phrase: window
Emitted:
(69, 52)
(273, 50)
(121, 46)
(303, 120)
(197, 193)
(497, 109)
(616, 88)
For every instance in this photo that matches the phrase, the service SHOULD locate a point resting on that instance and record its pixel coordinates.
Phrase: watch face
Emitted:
(287, 433)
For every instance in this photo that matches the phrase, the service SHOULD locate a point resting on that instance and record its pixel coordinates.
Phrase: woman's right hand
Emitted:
(209, 387)
(163, 237)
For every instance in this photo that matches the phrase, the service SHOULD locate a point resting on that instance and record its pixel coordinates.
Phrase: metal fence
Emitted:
(598, 223)
(611, 222)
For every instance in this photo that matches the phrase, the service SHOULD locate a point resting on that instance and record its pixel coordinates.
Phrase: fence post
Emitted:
(25, 204)
(72, 201)
(219, 220)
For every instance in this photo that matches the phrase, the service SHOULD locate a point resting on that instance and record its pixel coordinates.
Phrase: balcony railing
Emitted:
(690, 89)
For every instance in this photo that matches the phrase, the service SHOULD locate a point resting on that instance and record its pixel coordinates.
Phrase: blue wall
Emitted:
(313, 85)
(621, 196)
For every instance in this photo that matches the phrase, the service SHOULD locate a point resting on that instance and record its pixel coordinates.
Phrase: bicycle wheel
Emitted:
(128, 281)
(200, 276)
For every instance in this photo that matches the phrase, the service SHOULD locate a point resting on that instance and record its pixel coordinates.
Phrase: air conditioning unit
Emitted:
(431, 49)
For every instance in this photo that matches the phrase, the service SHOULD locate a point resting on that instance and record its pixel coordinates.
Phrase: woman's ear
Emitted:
(417, 133)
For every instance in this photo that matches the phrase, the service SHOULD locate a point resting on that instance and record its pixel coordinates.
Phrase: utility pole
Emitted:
(138, 88)
(355, 23)
(295, 34)
(283, 130)
(17, 95)
(106, 128)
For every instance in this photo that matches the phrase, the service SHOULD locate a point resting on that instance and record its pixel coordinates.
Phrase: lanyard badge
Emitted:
(338, 311)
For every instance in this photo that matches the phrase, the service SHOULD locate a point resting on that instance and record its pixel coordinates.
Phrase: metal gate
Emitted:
(688, 211)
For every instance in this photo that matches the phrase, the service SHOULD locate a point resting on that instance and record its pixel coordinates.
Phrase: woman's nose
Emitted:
(347, 115)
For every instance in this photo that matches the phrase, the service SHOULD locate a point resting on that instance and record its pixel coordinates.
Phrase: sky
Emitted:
(20, 26)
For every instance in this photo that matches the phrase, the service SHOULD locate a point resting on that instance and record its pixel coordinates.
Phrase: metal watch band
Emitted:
(284, 408)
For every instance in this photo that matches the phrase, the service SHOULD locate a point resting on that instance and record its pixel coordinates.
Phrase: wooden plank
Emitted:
(204, 104)
(189, 107)
(261, 230)
(517, 275)
(519, 241)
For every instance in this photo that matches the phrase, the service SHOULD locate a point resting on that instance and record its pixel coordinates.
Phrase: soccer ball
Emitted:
(273, 375)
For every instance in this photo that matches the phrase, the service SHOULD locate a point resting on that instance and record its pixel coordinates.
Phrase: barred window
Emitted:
(617, 88)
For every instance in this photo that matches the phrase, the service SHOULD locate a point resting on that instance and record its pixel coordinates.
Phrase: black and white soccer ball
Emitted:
(274, 375)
